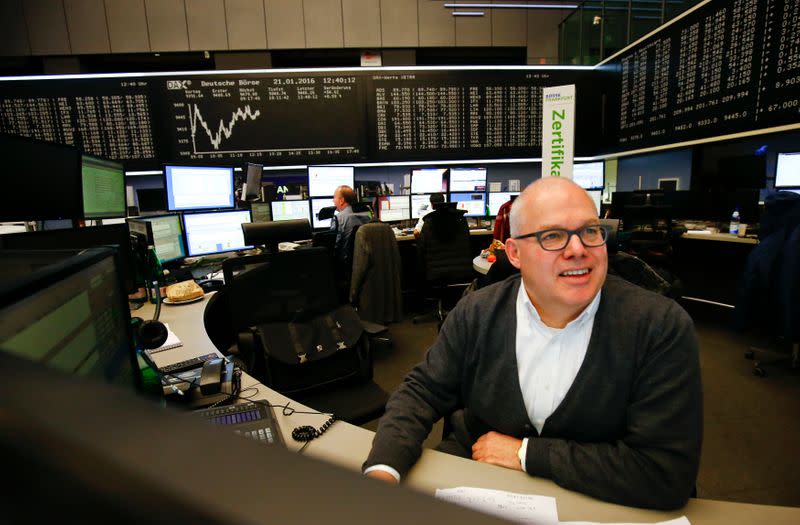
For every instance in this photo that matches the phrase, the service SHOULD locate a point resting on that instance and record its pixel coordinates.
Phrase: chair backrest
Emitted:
(270, 234)
(444, 250)
(287, 286)
(375, 285)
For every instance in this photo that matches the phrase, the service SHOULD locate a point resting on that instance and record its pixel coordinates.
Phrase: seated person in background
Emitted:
(434, 199)
(502, 230)
(344, 222)
(563, 372)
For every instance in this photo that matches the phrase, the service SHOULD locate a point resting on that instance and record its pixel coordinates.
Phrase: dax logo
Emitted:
(178, 84)
(282, 189)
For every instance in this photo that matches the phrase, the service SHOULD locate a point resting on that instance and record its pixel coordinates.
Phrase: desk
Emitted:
(348, 446)
(723, 237)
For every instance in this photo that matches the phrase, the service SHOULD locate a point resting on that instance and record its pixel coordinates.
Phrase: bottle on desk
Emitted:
(734, 227)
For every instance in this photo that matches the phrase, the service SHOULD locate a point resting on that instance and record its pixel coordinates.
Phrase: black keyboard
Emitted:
(254, 420)
(195, 362)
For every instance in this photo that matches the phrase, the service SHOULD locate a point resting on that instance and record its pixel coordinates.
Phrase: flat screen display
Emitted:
(151, 199)
(103, 183)
(215, 232)
(473, 203)
(428, 180)
(420, 205)
(396, 208)
(252, 186)
(588, 175)
(316, 205)
(288, 210)
(467, 179)
(787, 172)
(597, 196)
(167, 237)
(498, 199)
(198, 188)
(260, 211)
(323, 180)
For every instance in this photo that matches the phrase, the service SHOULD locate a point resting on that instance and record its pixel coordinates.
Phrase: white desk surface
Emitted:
(348, 446)
(724, 237)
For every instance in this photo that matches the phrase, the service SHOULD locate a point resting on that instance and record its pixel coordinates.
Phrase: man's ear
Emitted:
(512, 252)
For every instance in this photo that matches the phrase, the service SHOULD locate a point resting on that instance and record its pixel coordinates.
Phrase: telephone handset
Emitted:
(211, 376)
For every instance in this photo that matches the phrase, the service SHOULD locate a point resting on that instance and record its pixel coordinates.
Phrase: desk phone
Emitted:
(254, 420)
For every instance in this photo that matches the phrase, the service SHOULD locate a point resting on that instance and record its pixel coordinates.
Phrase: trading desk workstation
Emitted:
(347, 446)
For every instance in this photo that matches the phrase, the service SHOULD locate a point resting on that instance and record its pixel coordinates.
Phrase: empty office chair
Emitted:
(375, 282)
(444, 258)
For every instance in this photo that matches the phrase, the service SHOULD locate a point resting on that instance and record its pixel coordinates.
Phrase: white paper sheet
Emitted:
(521, 508)
(683, 520)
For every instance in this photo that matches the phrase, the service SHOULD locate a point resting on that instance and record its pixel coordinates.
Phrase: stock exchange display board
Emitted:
(727, 67)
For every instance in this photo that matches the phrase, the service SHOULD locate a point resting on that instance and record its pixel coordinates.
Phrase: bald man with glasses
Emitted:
(562, 371)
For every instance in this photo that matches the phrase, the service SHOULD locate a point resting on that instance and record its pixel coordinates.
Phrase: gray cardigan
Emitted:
(628, 431)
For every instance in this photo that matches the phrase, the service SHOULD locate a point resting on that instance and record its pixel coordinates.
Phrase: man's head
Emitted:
(343, 197)
(560, 283)
(436, 198)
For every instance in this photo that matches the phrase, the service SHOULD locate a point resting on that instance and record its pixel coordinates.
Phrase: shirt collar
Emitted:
(587, 315)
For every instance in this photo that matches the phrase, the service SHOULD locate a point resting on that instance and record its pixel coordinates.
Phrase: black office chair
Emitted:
(444, 259)
(287, 287)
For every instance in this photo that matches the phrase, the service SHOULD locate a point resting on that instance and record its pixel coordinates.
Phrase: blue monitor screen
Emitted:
(198, 188)
(473, 203)
(589, 175)
(215, 232)
(787, 172)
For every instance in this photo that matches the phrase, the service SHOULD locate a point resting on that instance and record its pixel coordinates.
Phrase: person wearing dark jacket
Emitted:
(563, 372)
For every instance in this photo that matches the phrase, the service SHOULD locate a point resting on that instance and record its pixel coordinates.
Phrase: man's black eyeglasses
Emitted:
(557, 239)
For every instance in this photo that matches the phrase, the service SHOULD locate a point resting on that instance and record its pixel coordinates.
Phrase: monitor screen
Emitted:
(198, 188)
(42, 180)
(323, 180)
(395, 208)
(79, 238)
(787, 172)
(474, 203)
(253, 182)
(71, 315)
(589, 175)
(498, 199)
(420, 205)
(467, 179)
(103, 184)
(215, 232)
(428, 180)
(597, 196)
(151, 199)
(288, 210)
(316, 205)
(167, 237)
(260, 211)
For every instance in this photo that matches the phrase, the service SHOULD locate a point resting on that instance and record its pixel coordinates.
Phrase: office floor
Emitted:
(751, 448)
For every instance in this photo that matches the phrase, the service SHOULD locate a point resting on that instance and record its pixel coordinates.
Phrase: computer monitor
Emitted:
(737, 172)
(589, 175)
(151, 199)
(198, 187)
(167, 237)
(597, 198)
(467, 179)
(260, 211)
(288, 210)
(252, 190)
(285, 187)
(498, 199)
(428, 180)
(473, 203)
(115, 235)
(787, 171)
(395, 208)
(71, 315)
(420, 205)
(316, 205)
(42, 180)
(215, 232)
(323, 180)
(103, 183)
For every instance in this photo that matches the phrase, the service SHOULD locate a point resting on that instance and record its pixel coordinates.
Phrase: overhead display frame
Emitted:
(722, 69)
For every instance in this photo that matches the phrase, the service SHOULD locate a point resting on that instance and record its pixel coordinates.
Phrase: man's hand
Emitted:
(382, 475)
(497, 449)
